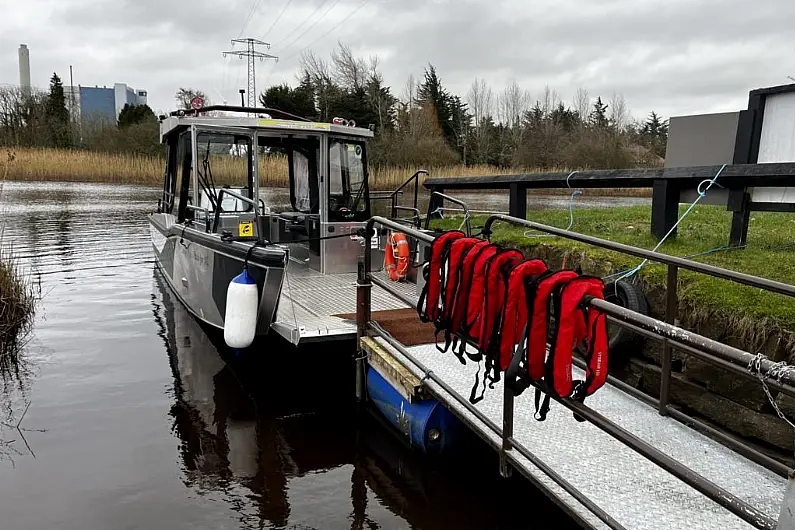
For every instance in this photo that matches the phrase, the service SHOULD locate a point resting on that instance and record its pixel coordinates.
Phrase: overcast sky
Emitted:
(672, 56)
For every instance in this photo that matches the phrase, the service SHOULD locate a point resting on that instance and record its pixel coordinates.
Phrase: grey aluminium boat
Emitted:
(210, 220)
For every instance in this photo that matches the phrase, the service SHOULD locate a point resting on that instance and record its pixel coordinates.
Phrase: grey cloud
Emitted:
(675, 56)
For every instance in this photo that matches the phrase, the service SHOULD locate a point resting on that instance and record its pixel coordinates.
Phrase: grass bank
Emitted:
(744, 316)
(77, 165)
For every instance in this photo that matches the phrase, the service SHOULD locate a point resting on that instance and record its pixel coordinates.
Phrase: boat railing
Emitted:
(203, 210)
(435, 195)
(254, 205)
(397, 192)
(737, 361)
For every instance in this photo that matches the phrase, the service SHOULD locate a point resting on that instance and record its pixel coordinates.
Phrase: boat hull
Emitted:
(198, 267)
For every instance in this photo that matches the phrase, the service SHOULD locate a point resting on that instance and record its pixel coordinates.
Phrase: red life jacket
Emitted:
(515, 315)
(498, 270)
(430, 300)
(539, 295)
(464, 286)
(469, 326)
(578, 322)
(459, 249)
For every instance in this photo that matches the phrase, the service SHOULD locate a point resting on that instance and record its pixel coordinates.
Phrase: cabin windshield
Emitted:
(348, 195)
(224, 161)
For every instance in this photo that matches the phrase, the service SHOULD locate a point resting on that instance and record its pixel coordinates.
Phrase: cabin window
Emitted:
(172, 171)
(184, 166)
(347, 186)
(224, 161)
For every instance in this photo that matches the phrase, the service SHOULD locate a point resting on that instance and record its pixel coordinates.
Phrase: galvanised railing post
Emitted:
(671, 309)
(363, 299)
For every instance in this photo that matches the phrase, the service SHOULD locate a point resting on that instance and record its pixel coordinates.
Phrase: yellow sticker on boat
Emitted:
(245, 229)
(291, 124)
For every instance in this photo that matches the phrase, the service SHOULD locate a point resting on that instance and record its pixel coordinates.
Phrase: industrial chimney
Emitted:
(24, 68)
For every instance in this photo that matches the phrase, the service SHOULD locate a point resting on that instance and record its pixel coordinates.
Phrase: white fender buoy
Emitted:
(240, 321)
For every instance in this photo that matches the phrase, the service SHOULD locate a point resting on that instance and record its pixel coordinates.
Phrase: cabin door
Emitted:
(346, 201)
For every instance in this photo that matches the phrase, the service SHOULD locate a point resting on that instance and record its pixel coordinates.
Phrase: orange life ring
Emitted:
(397, 256)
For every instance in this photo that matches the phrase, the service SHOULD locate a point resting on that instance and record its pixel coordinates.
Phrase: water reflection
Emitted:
(281, 465)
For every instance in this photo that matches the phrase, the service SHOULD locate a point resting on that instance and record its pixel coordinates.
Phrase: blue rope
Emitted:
(571, 210)
(701, 194)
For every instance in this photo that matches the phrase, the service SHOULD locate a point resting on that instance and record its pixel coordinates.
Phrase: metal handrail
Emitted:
(682, 263)
(243, 198)
(417, 217)
(462, 204)
(672, 336)
(206, 214)
(393, 195)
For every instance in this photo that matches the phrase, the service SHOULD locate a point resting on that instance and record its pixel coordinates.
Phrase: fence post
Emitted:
(517, 202)
(739, 205)
(671, 310)
(434, 204)
(664, 207)
(363, 291)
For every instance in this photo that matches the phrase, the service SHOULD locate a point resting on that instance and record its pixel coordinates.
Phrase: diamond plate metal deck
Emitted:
(309, 300)
(634, 491)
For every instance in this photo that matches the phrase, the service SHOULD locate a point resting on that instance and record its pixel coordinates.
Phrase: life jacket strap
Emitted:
(542, 408)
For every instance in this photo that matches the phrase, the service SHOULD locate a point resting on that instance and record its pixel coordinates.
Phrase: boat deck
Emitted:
(311, 304)
(633, 490)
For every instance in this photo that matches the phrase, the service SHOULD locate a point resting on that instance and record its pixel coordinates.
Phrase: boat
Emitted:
(211, 223)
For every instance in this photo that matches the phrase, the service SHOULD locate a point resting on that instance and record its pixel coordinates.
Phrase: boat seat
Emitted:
(300, 223)
(294, 217)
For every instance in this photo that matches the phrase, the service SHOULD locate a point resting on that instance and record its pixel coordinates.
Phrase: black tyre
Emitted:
(623, 342)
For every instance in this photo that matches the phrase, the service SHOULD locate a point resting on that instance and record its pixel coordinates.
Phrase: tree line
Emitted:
(425, 125)
(38, 118)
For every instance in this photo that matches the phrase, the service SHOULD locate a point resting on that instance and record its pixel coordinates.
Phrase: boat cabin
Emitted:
(218, 158)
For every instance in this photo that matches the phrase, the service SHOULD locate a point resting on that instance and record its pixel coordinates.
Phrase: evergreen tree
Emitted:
(432, 94)
(299, 101)
(654, 134)
(599, 115)
(135, 114)
(57, 113)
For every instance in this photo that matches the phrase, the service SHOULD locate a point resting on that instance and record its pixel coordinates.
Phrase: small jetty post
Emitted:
(363, 293)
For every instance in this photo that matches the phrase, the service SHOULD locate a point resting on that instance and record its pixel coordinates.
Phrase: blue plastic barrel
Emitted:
(427, 424)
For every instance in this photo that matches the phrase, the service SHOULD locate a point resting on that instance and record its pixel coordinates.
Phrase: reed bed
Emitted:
(18, 297)
(126, 168)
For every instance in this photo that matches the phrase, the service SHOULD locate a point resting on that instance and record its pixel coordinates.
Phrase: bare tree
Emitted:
(316, 68)
(582, 103)
(185, 95)
(513, 104)
(480, 100)
(619, 113)
(549, 100)
(349, 71)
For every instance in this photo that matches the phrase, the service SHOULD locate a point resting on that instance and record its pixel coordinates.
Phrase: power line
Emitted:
(335, 26)
(246, 22)
(278, 18)
(251, 53)
(313, 24)
(299, 26)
